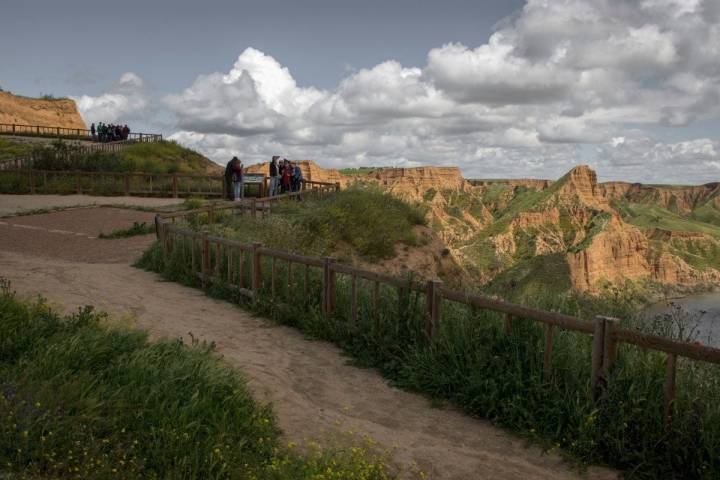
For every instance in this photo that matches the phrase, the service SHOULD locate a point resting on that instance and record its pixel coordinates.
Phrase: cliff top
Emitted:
(39, 111)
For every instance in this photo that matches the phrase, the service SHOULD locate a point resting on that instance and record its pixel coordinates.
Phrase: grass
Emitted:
(360, 221)
(79, 399)
(10, 149)
(153, 157)
(360, 170)
(136, 229)
(473, 364)
(651, 216)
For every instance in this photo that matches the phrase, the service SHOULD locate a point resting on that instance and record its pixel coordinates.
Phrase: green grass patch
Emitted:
(79, 399)
(359, 221)
(152, 157)
(651, 216)
(133, 231)
(10, 149)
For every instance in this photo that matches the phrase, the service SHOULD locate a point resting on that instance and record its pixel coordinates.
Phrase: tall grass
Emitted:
(474, 364)
(81, 400)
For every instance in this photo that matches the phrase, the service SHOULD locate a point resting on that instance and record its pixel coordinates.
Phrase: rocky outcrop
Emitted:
(531, 183)
(35, 111)
(413, 183)
(311, 171)
(580, 185)
(617, 253)
(676, 199)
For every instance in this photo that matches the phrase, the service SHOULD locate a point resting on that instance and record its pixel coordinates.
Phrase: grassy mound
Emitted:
(81, 400)
(155, 157)
(359, 221)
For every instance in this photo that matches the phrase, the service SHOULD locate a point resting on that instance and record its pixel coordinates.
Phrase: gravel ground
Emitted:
(72, 235)
(12, 204)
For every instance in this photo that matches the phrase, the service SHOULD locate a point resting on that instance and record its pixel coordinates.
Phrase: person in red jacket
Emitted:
(287, 175)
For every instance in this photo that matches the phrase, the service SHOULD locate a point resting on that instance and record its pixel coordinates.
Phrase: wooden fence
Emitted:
(228, 256)
(173, 185)
(28, 161)
(68, 133)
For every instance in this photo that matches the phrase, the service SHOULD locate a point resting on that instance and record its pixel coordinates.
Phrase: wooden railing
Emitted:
(214, 258)
(136, 183)
(69, 133)
(28, 161)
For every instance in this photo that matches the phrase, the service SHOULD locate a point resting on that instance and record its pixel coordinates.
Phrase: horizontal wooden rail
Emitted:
(70, 133)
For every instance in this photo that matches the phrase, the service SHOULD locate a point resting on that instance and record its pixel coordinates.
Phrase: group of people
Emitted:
(109, 132)
(285, 177)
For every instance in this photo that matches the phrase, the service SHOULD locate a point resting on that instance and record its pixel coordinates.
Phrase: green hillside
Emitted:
(156, 157)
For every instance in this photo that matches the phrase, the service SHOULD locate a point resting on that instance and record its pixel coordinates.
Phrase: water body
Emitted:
(708, 322)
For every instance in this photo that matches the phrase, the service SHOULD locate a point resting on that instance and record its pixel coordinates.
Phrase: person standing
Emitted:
(297, 178)
(92, 130)
(274, 176)
(228, 177)
(239, 186)
(286, 178)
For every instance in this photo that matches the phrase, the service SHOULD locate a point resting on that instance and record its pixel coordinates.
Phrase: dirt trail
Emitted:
(313, 389)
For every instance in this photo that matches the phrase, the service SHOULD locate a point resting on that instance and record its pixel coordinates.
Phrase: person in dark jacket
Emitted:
(274, 176)
(229, 173)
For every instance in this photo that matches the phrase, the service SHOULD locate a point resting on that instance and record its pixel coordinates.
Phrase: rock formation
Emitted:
(36, 111)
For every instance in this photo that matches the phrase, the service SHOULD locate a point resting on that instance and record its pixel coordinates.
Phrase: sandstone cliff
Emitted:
(311, 171)
(35, 111)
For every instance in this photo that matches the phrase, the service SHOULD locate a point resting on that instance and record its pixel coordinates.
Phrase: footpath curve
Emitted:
(312, 388)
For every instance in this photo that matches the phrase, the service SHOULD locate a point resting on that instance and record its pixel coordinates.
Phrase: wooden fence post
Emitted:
(337, 186)
(353, 300)
(328, 286)
(205, 258)
(175, 186)
(669, 390)
(508, 324)
(256, 272)
(598, 347)
(547, 354)
(432, 304)
(610, 347)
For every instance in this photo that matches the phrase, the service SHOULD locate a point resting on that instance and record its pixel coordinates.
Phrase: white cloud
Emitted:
(126, 100)
(555, 77)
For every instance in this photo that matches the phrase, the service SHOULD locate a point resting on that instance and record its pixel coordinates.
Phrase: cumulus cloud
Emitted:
(126, 100)
(554, 78)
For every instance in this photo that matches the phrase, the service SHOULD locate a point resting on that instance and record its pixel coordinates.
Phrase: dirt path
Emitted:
(312, 388)
(10, 204)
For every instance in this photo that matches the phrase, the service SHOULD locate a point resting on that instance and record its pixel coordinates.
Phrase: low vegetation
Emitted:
(133, 231)
(361, 221)
(10, 149)
(152, 157)
(79, 399)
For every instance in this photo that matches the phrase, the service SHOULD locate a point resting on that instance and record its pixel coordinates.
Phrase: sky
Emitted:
(501, 88)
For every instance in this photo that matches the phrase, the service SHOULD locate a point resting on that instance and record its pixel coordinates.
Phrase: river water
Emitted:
(702, 308)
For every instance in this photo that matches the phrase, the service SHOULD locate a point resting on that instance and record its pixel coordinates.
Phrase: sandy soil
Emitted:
(313, 389)
(10, 204)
